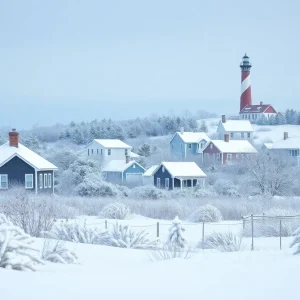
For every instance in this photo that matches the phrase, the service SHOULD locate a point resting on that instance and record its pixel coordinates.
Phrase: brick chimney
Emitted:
(223, 119)
(226, 137)
(182, 130)
(261, 103)
(285, 135)
(13, 138)
(127, 159)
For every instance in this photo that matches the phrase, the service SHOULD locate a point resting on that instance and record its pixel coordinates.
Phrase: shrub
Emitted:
(176, 234)
(34, 215)
(206, 213)
(148, 192)
(170, 252)
(56, 252)
(224, 242)
(123, 237)
(115, 210)
(16, 250)
(296, 241)
(74, 232)
(226, 188)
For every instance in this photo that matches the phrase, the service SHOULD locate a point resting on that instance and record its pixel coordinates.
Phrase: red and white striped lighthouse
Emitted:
(246, 84)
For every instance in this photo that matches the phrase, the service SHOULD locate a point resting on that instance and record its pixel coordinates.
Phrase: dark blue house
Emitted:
(170, 175)
(19, 166)
(124, 172)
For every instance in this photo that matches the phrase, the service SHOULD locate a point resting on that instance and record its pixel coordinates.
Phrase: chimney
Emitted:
(223, 119)
(261, 103)
(182, 130)
(127, 159)
(13, 138)
(226, 137)
(285, 135)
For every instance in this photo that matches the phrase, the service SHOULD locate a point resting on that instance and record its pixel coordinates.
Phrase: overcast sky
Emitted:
(79, 60)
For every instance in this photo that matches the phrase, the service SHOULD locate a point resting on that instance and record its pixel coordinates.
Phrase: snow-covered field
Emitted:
(113, 273)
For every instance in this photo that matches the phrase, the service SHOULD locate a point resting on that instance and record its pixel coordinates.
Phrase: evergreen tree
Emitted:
(176, 234)
(203, 127)
(262, 120)
(144, 150)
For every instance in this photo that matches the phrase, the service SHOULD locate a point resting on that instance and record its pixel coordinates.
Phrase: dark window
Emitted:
(109, 151)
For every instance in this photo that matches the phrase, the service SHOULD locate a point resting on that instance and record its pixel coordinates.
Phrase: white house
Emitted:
(148, 175)
(254, 112)
(237, 129)
(108, 149)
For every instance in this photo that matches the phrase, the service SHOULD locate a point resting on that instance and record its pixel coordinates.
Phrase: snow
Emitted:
(234, 146)
(183, 169)
(237, 125)
(193, 137)
(117, 166)
(112, 143)
(7, 152)
(289, 143)
(150, 171)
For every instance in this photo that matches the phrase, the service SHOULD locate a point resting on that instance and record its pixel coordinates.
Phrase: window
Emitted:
(88, 152)
(229, 157)
(45, 180)
(28, 181)
(167, 183)
(3, 181)
(133, 166)
(126, 152)
(109, 151)
(248, 135)
(242, 156)
(211, 145)
(294, 152)
(163, 169)
(158, 182)
(190, 146)
(100, 151)
(41, 181)
(97, 151)
(49, 180)
(242, 135)
(218, 156)
(231, 135)
(92, 151)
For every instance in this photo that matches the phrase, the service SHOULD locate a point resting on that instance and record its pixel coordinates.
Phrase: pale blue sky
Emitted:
(79, 60)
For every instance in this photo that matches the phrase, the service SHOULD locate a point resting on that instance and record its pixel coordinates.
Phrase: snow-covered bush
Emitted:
(115, 210)
(206, 213)
(226, 188)
(176, 234)
(16, 249)
(31, 213)
(224, 241)
(124, 237)
(56, 252)
(170, 252)
(74, 232)
(148, 192)
(296, 241)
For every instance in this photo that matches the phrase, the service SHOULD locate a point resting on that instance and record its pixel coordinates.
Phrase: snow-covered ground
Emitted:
(114, 273)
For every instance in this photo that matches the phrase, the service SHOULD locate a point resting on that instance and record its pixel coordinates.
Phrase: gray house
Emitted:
(19, 166)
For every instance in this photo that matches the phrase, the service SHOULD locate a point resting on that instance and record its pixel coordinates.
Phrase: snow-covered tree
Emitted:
(176, 234)
(144, 150)
(296, 241)
(263, 120)
(115, 210)
(206, 213)
(16, 249)
(203, 126)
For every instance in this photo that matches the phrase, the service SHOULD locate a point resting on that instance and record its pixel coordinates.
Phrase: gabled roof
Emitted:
(112, 143)
(237, 126)
(150, 171)
(256, 108)
(36, 161)
(289, 143)
(192, 137)
(119, 166)
(233, 146)
(182, 169)
(134, 155)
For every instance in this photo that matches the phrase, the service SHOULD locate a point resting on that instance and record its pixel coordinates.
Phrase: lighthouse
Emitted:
(245, 83)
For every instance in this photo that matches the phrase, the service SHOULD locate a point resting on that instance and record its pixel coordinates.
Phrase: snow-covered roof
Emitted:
(256, 108)
(118, 165)
(150, 171)
(7, 152)
(134, 155)
(112, 143)
(289, 143)
(193, 137)
(237, 126)
(234, 146)
(183, 169)
(268, 145)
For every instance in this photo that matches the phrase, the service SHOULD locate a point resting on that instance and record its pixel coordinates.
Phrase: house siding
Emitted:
(177, 147)
(47, 189)
(16, 169)
(210, 154)
(163, 175)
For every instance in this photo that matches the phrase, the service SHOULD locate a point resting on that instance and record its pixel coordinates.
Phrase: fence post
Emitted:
(280, 233)
(252, 233)
(157, 229)
(106, 224)
(203, 235)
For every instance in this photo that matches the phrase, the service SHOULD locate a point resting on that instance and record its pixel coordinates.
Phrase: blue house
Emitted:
(186, 144)
(170, 175)
(123, 172)
(19, 166)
